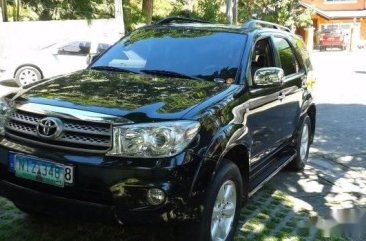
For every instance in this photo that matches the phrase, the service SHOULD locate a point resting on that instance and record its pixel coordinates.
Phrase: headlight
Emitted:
(153, 140)
(4, 108)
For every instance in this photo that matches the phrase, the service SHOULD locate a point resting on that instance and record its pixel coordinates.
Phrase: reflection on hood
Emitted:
(127, 92)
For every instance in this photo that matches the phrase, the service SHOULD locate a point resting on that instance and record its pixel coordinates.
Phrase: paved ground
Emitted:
(334, 183)
(319, 202)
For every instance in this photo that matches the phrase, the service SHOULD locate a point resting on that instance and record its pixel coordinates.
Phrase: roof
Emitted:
(341, 14)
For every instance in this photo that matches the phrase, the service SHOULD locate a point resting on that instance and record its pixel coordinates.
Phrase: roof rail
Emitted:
(254, 23)
(180, 20)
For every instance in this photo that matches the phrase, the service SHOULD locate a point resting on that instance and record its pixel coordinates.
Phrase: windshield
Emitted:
(194, 53)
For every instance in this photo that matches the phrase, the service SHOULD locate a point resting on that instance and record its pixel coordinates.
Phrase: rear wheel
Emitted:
(302, 146)
(27, 75)
(222, 207)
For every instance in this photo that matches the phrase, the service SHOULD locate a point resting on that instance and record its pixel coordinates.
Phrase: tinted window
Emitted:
(288, 59)
(262, 56)
(75, 48)
(194, 52)
(301, 49)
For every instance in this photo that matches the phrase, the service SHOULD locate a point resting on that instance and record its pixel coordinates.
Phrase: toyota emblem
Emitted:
(49, 127)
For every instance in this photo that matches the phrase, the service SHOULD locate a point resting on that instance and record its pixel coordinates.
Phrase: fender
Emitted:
(226, 139)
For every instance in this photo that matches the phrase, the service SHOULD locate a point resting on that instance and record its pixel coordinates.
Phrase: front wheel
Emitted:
(222, 207)
(302, 145)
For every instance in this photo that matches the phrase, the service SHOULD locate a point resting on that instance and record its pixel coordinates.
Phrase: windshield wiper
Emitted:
(169, 74)
(116, 69)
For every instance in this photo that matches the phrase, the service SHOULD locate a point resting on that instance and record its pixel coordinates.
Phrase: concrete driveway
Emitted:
(335, 179)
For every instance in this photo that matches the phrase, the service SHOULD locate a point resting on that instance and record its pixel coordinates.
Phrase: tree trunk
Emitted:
(235, 12)
(147, 10)
(127, 15)
(1, 8)
(5, 10)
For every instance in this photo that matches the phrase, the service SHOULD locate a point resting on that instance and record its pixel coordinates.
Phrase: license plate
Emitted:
(39, 170)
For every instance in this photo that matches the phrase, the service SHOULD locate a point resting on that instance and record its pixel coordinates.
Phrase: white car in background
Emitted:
(31, 65)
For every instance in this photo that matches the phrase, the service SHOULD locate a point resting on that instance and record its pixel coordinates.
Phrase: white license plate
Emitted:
(43, 171)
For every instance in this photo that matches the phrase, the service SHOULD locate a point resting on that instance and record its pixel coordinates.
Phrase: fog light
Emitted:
(155, 196)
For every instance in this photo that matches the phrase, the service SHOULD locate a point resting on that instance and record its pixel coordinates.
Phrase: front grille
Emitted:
(76, 134)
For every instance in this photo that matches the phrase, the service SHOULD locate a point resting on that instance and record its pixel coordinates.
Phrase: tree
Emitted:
(70, 9)
(127, 15)
(147, 10)
(286, 12)
(211, 10)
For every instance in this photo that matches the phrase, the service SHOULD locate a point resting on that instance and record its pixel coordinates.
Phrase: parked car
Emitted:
(200, 118)
(32, 65)
(332, 39)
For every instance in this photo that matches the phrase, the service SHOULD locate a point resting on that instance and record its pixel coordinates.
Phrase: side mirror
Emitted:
(270, 76)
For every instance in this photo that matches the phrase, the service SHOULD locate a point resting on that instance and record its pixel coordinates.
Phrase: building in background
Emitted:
(346, 16)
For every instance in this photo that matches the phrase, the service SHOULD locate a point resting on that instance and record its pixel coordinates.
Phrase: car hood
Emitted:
(136, 97)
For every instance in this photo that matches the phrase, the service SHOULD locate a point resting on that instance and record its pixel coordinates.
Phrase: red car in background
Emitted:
(332, 39)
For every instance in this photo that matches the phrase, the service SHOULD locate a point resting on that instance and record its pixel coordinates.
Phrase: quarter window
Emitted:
(289, 63)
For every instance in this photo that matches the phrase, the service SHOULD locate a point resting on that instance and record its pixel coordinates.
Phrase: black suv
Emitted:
(181, 120)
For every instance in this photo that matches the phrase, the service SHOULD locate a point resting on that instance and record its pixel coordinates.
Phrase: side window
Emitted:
(80, 48)
(289, 63)
(262, 55)
(301, 48)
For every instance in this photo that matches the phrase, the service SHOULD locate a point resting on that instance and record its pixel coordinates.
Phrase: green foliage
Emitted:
(210, 10)
(64, 9)
(286, 12)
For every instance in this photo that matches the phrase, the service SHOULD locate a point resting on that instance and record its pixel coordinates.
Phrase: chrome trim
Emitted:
(70, 113)
(49, 128)
(58, 147)
(259, 186)
(92, 136)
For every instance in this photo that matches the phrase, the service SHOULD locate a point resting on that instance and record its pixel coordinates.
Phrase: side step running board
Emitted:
(276, 165)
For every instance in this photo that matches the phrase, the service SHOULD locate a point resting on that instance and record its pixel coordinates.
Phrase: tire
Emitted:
(27, 75)
(222, 206)
(303, 140)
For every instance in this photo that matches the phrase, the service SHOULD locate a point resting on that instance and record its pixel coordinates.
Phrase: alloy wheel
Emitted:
(224, 211)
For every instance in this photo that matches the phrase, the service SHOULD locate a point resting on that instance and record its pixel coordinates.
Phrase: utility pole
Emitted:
(229, 11)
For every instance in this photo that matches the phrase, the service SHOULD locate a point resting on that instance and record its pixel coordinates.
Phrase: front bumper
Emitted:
(107, 187)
